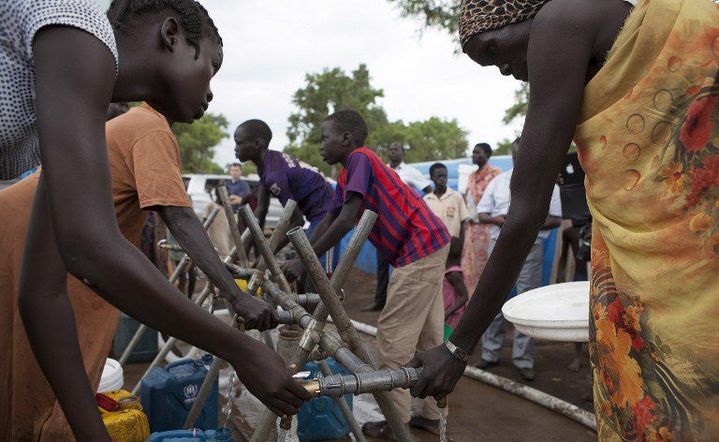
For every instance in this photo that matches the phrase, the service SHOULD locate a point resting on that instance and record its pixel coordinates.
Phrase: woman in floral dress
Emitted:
(637, 90)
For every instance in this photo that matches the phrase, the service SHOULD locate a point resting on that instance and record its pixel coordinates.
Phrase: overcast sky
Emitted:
(269, 46)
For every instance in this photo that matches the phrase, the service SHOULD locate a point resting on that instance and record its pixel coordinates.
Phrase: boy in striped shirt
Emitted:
(413, 239)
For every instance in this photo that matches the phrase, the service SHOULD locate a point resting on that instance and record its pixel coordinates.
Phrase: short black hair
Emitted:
(193, 17)
(236, 164)
(257, 129)
(436, 166)
(401, 145)
(486, 148)
(350, 121)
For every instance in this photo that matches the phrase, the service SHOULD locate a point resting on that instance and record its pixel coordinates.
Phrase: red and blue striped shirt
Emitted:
(406, 229)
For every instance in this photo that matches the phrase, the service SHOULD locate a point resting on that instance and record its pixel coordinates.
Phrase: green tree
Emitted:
(333, 90)
(198, 140)
(504, 147)
(519, 108)
(438, 14)
(434, 139)
(327, 92)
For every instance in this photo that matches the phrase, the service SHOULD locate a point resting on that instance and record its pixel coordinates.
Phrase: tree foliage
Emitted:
(327, 92)
(333, 90)
(519, 108)
(439, 14)
(198, 140)
(443, 15)
(434, 139)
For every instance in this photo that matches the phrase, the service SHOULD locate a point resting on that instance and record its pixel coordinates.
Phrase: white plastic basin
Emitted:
(558, 312)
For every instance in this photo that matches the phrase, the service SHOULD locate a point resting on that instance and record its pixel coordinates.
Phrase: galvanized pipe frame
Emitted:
(180, 269)
(234, 229)
(341, 353)
(314, 327)
(345, 328)
(171, 341)
(330, 300)
(368, 380)
(304, 319)
(301, 355)
(143, 328)
(331, 344)
(238, 272)
(268, 419)
(328, 342)
(261, 244)
(281, 228)
(337, 385)
(339, 350)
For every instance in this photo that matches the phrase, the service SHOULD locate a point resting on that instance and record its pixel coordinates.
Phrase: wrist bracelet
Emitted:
(457, 352)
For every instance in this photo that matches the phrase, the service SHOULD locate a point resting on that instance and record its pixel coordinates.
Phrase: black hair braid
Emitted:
(194, 19)
(210, 23)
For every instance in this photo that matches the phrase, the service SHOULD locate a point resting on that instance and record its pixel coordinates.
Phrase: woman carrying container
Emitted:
(637, 89)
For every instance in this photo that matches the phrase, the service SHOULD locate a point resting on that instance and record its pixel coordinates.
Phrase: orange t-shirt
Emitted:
(145, 165)
(146, 172)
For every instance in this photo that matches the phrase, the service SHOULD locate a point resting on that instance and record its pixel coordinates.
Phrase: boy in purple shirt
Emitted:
(283, 176)
(412, 238)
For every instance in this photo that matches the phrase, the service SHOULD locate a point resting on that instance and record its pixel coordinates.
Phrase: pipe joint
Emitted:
(312, 334)
(308, 299)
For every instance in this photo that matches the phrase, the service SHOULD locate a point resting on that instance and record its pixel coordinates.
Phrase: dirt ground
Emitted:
(481, 412)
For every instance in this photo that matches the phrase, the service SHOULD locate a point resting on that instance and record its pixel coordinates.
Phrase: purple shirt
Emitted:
(406, 229)
(287, 178)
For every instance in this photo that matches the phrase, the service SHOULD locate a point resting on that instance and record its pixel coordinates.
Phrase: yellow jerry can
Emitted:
(123, 417)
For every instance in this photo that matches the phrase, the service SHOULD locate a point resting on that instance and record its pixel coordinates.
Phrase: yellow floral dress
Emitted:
(648, 140)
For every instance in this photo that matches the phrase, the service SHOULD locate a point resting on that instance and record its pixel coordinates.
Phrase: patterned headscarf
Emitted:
(482, 15)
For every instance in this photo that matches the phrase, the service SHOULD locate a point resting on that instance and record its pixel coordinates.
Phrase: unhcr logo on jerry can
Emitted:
(190, 392)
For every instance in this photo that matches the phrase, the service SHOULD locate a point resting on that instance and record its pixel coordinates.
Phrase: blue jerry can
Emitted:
(167, 395)
(321, 418)
(195, 435)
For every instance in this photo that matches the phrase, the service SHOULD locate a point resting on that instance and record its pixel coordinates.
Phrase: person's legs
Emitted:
(432, 334)
(411, 312)
(493, 337)
(530, 277)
